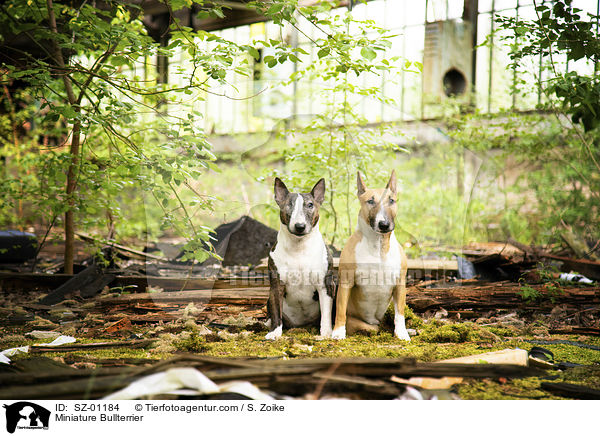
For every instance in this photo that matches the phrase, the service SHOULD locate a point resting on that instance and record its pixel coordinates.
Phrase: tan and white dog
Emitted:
(372, 267)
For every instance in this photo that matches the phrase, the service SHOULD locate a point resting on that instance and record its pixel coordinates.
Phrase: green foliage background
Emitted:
(146, 167)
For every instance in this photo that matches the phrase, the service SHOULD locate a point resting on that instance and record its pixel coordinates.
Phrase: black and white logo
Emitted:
(26, 415)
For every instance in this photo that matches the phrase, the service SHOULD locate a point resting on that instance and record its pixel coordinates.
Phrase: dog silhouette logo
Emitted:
(26, 415)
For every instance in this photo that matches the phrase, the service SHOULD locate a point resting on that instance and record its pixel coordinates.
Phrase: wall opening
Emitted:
(454, 82)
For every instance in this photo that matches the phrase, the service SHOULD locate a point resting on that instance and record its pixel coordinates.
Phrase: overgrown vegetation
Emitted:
(100, 132)
(563, 150)
(141, 155)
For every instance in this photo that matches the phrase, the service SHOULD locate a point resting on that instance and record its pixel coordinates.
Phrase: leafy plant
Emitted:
(102, 126)
(565, 149)
(336, 142)
(551, 289)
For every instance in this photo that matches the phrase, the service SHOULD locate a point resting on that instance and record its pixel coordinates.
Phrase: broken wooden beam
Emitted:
(458, 298)
(236, 296)
(42, 281)
(570, 390)
(345, 374)
(90, 280)
(495, 295)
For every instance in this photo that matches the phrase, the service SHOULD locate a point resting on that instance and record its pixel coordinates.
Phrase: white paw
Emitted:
(339, 333)
(325, 332)
(402, 334)
(275, 334)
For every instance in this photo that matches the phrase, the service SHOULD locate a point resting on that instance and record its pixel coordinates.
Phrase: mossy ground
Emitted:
(436, 340)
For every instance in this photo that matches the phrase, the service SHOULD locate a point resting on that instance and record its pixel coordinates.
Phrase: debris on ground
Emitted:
(136, 313)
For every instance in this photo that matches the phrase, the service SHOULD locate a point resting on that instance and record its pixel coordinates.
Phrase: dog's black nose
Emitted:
(300, 227)
(384, 226)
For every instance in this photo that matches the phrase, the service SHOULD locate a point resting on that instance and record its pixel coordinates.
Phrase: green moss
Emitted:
(190, 342)
(517, 389)
(500, 331)
(572, 353)
(437, 341)
(436, 331)
(584, 375)
(413, 321)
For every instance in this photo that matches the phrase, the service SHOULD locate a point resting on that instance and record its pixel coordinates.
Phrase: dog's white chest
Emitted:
(374, 279)
(302, 268)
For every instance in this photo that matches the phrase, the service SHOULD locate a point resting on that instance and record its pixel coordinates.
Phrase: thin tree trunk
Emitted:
(74, 149)
(71, 187)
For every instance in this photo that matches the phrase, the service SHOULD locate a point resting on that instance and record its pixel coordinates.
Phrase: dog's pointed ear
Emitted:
(360, 185)
(392, 183)
(281, 192)
(318, 192)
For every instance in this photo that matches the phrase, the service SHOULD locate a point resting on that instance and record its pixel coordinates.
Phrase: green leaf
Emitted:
(323, 52)
(368, 53)
(254, 52)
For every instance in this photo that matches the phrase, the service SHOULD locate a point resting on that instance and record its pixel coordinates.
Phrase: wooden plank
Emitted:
(188, 283)
(570, 390)
(96, 286)
(138, 283)
(495, 295)
(356, 373)
(135, 343)
(89, 275)
(236, 296)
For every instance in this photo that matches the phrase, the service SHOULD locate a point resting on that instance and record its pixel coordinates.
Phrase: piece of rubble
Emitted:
(43, 334)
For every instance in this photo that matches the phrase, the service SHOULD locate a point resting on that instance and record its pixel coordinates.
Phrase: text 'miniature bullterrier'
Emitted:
(372, 266)
(300, 264)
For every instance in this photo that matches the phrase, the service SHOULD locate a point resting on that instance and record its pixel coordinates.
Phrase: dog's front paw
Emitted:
(275, 334)
(402, 334)
(339, 333)
(325, 332)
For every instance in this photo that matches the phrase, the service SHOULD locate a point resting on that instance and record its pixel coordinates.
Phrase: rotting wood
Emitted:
(84, 280)
(576, 330)
(88, 388)
(144, 319)
(570, 390)
(132, 283)
(96, 286)
(134, 343)
(495, 295)
(459, 298)
(236, 296)
(349, 375)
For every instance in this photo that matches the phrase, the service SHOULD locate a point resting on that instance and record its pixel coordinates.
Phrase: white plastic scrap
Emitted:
(61, 340)
(184, 381)
(414, 394)
(4, 355)
(576, 278)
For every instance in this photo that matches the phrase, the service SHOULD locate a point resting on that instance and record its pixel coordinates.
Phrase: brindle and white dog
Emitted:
(300, 265)
(372, 266)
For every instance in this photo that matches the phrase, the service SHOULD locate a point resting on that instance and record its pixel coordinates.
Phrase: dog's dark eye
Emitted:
(310, 205)
(392, 201)
(371, 202)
